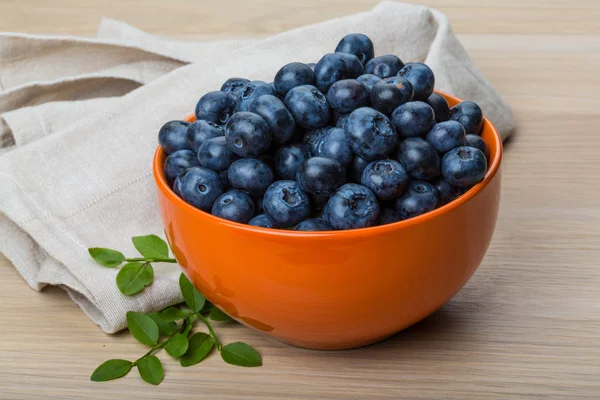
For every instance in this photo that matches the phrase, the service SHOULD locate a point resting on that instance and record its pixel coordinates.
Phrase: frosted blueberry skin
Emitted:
(357, 44)
(200, 187)
(421, 77)
(201, 130)
(477, 142)
(464, 166)
(250, 92)
(440, 107)
(334, 144)
(347, 95)
(320, 176)
(251, 176)
(292, 75)
(387, 179)
(215, 154)
(178, 162)
(232, 86)
(389, 93)
(286, 203)
(351, 207)
(469, 115)
(314, 224)
(308, 106)
(263, 221)
(276, 115)
(419, 158)
(413, 119)
(248, 134)
(234, 205)
(419, 198)
(172, 136)
(371, 134)
(215, 107)
(288, 160)
(384, 66)
(446, 136)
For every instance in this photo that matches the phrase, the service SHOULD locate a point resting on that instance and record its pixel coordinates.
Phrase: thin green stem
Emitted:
(150, 260)
(185, 328)
(210, 330)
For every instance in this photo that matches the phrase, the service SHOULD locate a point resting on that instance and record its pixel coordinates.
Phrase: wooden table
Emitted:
(526, 326)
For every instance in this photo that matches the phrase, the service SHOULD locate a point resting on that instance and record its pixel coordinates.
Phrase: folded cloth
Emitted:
(79, 122)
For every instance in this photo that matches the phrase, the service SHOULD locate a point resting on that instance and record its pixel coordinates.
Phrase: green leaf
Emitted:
(151, 370)
(200, 344)
(165, 328)
(107, 257)
(151, 246)
(193, 298)
(134, 276)
(207, 306)
(177, 345)
(173, 314)
(142, 328)
(111, 369)
(241, 354)
(218, 315)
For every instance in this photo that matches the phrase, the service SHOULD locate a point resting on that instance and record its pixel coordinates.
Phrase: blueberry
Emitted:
(234, 205)
(384, 66)
(312, 138)
(319, 175)
(314, 224)
(248, 134)
(389, 216)
(215, 154)
(369, 80)
(292, 75)
(172, 136)
(389, 93)
(250, 175)
(440, 106)
(387, 179)
(357, 167)
(200, 187)
(263, 221)
(215, 107)
(280, 121)
(177, 183)
(464, 166)
(358, 44)
(413, 119)
(286, 204)
(330, 69)
(178, 162)
(252, 91)
(371, 134)
(352, 206)
(419, 158)
(312, 66)
(446, 191)
(354, 67)
(347, 95)
(232, 86)
(419, 198)
(334, 144)
(200, 131)
(288, 160)
(446, 136)
(341, 122)
(421, 77)
(469, 114)
(308, 106)
(477, 142)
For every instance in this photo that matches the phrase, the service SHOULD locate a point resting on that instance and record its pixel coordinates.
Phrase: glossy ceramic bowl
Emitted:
(339, 289)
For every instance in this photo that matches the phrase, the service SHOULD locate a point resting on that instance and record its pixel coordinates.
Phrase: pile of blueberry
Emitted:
(350, 142)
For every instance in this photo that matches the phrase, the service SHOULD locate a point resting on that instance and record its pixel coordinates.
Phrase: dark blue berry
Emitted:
(464, 166)
(469, 114)
(446, 191)
(280, 121)
(371, 134)
(215, 107)
(314, 224)
(358, 44)
(389, 93)
(440, 107)
(288, 160)
(354, 68)
(384, 66)
(172, 136)
(477, 142)
(419, 198)
(250, 175)
(232, 86)
(341, 122)
(421, 77)
(321, 176)
(387, 179)
(446, 136)
(263, 221)
(413, 119)
(334, 144)
(351, 207)
(200, 131)
(292, 75)
(252, 91)
(313, 137)
(389, 216)
(286, 204)
(312, 66)
(234, 205)
(347, 95)
(248, 134)
(177, 183)
(330, 69)
(357, 167)
(215, 154)
(308, 106)
(419, 158)
(201, 187)
(369, 80)
(179, 162)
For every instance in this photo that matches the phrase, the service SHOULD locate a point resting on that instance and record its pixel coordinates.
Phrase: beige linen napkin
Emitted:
(79, 121)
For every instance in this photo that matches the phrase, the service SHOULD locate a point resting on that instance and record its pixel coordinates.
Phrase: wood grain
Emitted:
(526, 326)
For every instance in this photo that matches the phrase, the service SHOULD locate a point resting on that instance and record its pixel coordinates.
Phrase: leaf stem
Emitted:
(150, 260)
(185, 328)
(210, 330)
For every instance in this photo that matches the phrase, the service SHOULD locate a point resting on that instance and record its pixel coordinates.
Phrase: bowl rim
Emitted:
(166, 190)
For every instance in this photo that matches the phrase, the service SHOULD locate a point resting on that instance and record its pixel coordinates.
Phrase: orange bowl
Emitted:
(339, 289)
